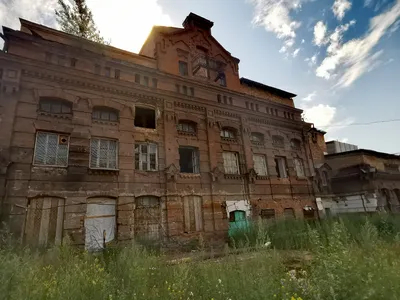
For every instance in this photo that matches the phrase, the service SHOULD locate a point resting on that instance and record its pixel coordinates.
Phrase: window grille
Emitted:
(51, 149)
(299, 166)
(146, 157)
(260, 165)
(231, 162)
(103, 154)
(105, 114)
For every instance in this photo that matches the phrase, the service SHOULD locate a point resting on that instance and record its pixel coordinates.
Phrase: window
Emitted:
(137, 78)
(117, 74)
(299, 166)
(186, 126)
(278, 141)
(267, 214)
(55, 106)
(192, 92)
(155, 82)
(105, 114)
(231, 162)
(219, 98)
(257, 138)
(228, 133)
(252, 106)
(184, 89)
(189, 160)
(267, 110)
(288, 213)
(193, 213)
(276, 112)
(73, 62)
(260, 164)
(183, 68)
(148, 214)
(247, 104)
(324, 178)
(295, 144)
(103, 154)
(97, 69)
(51, 149)
(146, 81)
(280, 165)
(177, 88)
(225, 100)
(145, 117)
(61, 60)
(146, 157)
(107, 71)
(257, 108)
(284, 114)
(230, 101)
(221, 79)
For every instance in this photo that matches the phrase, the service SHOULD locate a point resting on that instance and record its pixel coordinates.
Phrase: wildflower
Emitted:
(220, 281)
(267, 244)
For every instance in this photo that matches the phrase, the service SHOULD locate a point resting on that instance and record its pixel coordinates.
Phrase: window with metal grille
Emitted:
(299, 166)
(146, 157)
(145, 117)
(280, 165)
(228, 133)
(55, 106)
(189, 160)
(231, 162)
(103, 154)
(268, 213)
(183, 68)
(278, 141)
(51, 149)
(257, 138)
(295, 144)
(105, 114)
(185, 126)
(260, 164)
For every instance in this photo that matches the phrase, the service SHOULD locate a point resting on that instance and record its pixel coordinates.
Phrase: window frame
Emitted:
(233, 158)
(105, 109)
(231, 133)
(195, 159)
(145, 108)
(283, 167)
(299, 163)
(278, 141)
(263, 162)
(189, 124)
(138, 156)
(257, 138)
(183, 68)
(97, 167)
(51, 102)
(47, 133)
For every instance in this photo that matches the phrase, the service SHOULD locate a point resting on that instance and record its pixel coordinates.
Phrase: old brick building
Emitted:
(101, 144)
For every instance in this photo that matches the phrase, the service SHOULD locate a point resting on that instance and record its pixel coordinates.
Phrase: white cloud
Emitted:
(302, 41)
(368, 3)
(275, 17)
(319, 33)
(340, 7)
(321, 115)
(355, 57)
(310, 97)
(312, 60)
(127, 23)
(296, 52)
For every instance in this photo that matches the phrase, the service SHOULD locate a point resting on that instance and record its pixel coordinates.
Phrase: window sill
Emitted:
(233, 176)
(105, 122)
(262, 177)
(190, 175)
(99, 171)
(229, 140)
(257, 143)
(49, 166)
(194, 134)
(61, 116)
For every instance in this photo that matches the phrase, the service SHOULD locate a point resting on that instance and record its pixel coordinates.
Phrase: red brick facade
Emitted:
(40, 63)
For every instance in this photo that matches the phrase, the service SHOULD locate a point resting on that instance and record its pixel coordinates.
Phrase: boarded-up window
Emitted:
(231, 162)
(51, 149)
(193, 213)
(148, 218)
(103, 154)
(299, 166)
(260, 164)
(100, 223)
(44, 221)
(289, 213)
(268, 213)
(146, 157)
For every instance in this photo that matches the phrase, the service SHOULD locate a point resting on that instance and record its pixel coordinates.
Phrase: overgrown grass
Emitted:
(350, 259)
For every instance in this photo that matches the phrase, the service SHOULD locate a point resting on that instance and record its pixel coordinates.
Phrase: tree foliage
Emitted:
(75, 18)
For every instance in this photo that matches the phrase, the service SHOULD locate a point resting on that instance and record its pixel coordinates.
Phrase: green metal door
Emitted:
(237, 221)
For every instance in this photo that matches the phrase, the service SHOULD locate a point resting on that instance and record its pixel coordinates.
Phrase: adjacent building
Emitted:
(100, 144)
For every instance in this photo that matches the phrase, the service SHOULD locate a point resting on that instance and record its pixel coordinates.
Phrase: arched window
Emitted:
(257, 138)
(148, 217)
(295, 144)
(102, 113)
(186, 126)
(55, 106)
(228, 133)
(278, 141)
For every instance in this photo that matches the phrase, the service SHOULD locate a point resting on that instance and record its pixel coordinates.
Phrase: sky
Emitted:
(341, 57)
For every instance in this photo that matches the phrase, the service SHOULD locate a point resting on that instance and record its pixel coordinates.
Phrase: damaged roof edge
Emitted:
(268, 88)
(367, 152)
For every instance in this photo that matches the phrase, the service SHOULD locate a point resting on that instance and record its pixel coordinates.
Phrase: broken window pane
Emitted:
(280, 165)
(189, 159)
(145, 117)
(146, 157)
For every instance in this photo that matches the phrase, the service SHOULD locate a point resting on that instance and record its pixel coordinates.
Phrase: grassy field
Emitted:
(352, 258)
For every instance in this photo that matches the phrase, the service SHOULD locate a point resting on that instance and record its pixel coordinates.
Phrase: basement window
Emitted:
(280, 165)
(267, 214)
(145, 118)
(189, 160)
